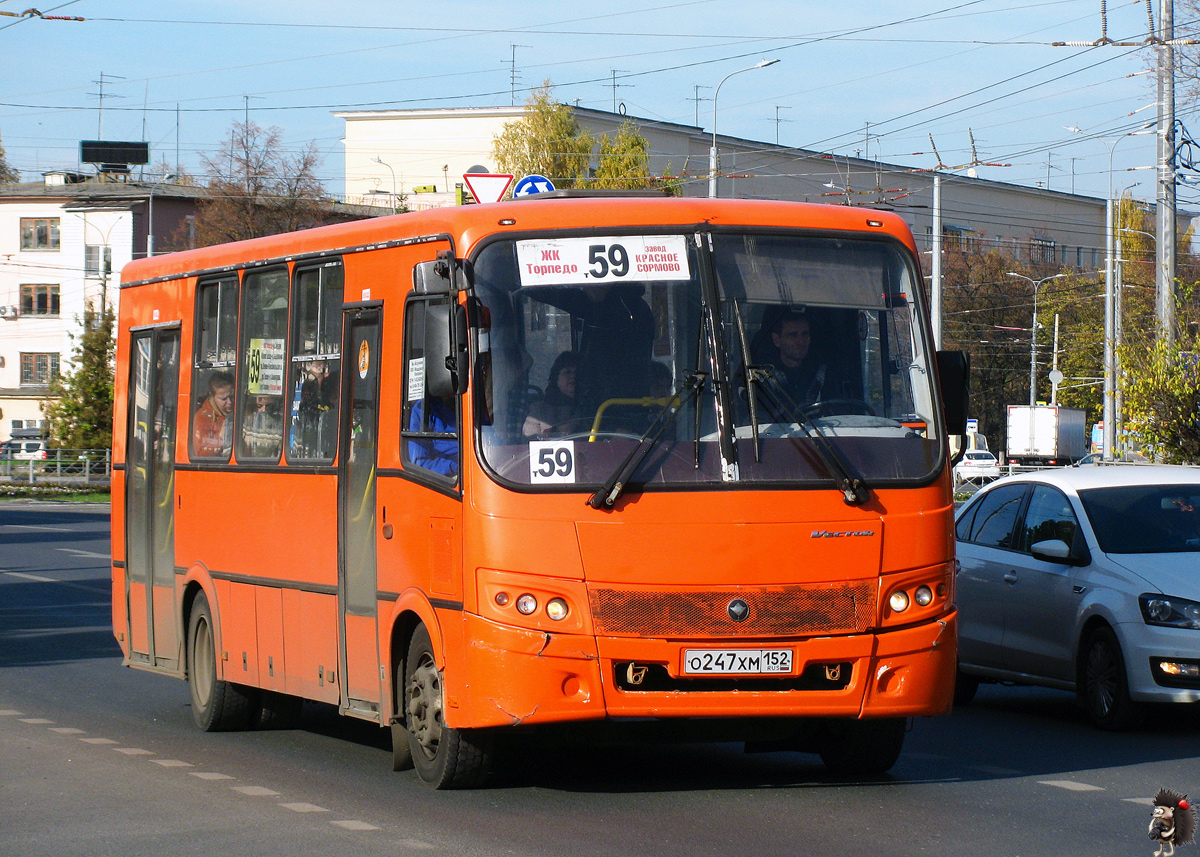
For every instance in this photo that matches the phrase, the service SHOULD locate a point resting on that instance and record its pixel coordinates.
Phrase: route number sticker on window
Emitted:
(603, 260)
(551, 462)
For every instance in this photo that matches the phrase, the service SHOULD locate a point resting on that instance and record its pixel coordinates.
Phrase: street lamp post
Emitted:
(712, 153)
(1110, 299)
(379, 160)
(1037, 284)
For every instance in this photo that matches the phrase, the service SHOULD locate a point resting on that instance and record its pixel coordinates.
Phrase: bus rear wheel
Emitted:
(217, 706)
(863, 747)
(444, 758)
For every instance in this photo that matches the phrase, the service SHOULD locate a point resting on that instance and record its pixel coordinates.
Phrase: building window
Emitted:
(39, 299)
(39, 233)
(97, 260)
(1041, 251)
(38, 369)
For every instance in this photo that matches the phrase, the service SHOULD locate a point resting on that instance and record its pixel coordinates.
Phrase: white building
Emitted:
(63, 242)
(409, 152)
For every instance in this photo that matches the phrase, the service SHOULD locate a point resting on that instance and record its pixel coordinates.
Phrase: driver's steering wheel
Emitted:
(834, 407)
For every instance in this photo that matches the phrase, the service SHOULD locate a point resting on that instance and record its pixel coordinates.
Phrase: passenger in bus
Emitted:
(800, 373)
(557, 412)
(212, 434)
(437, 454)
(315, 432)
(262, 429)
(615, 342)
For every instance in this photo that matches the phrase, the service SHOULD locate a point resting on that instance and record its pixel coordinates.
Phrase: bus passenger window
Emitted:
(316, 363)
(430, 434)
(260, 393)
(213, 381)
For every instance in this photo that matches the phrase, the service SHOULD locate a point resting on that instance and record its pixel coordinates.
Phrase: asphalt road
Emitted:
(96, 759)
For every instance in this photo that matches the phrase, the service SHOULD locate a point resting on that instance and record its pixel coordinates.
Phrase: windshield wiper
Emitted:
(853, 489)
(750, 376)
(613, 487)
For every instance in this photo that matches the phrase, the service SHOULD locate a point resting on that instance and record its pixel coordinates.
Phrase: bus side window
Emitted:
(316, 363)
(213, 378)
(430, 433)
(264, 355)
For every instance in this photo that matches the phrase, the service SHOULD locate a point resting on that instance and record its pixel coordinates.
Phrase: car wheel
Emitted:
(1102, 686)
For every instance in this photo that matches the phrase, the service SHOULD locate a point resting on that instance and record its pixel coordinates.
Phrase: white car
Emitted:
(977, 465)
(23, 450)
(1084, 579)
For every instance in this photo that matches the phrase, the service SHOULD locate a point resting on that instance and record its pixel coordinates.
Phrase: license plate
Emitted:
(737, 661)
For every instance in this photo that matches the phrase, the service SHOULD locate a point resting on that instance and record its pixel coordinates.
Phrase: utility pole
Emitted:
(696, 98)
(1164, 269)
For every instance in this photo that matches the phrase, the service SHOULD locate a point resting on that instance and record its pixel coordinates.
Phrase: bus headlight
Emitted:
(899, 601)
(556, 609)
(526, 605)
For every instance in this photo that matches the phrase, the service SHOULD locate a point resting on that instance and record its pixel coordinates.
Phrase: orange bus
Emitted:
(483, 471)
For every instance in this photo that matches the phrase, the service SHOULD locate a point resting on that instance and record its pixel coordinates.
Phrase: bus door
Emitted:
(357, 572)
(152, 631)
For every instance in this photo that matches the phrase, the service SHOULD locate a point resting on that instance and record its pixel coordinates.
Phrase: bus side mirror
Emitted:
(446, 349)
(954, 377)
(434, 278)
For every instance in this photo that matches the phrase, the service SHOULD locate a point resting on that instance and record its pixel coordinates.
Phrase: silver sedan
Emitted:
(1085, 579)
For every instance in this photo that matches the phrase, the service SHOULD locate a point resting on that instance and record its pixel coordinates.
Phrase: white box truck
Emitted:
(1046, 435)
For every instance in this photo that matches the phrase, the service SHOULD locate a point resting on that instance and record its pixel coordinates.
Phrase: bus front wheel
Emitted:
(444, 757)
(217, 706)
(863, 747)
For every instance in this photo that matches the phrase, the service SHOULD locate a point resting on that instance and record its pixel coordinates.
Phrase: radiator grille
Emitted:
(838, 608)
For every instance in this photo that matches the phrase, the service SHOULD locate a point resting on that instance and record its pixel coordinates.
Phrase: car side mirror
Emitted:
(1053, 550)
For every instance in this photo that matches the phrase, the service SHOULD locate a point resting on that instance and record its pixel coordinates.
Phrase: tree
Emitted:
(623, 163)
(1162, 399)
(546, 141)
(256, 187)
(8, 175)
(80, 409)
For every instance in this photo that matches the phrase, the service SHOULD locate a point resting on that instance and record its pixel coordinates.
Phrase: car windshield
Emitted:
(1145, 518)
(782, 359)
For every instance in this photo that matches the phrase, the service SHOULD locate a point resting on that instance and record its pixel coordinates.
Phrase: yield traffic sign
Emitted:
(487, 187)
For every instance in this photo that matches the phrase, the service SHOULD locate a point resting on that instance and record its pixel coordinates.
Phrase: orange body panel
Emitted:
(262, 541)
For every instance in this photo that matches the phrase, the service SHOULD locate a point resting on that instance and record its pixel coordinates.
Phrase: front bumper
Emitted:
(517, 677)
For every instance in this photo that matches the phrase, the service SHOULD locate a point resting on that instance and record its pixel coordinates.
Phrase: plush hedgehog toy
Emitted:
(1173, 822)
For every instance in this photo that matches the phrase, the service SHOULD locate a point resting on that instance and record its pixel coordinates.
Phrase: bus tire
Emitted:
(863, 747)
(217, 706)
(444, 758)
(965, 687)
(278, 711)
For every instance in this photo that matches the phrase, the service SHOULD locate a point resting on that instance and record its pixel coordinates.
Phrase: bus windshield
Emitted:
(764, 360)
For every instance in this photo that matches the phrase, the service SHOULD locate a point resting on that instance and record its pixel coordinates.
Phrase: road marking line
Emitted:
(67, 730)
(99, 741)
(255, 791)
(38, 527)
(35, 577)
(354, 825)
(1071, 785)
(172, 763)
(210, 775)
(10, 712)
(133, 751)
(417, 844)
(1145, 801)
(36, 721)
(75, 552)
(303, 807)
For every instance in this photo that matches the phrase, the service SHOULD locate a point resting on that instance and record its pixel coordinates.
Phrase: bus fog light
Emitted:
(526, 604)
(556, 609)
(923, 596)
(502, 599)
(898, 602)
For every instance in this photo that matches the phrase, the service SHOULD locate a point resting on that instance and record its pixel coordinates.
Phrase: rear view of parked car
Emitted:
(977, 466)
(23, 450)
(1084, 579)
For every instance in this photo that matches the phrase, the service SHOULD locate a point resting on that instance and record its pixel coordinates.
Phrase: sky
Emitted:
(853, 77)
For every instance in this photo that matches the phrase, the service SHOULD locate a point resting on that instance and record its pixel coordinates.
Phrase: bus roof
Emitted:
(471, 223)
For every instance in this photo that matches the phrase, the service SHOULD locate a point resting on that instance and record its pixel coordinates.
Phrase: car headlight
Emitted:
(1168, 611)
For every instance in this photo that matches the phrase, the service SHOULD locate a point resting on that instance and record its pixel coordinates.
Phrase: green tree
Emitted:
(623, 163)
(546, 141)
(8, 175)
(80, 409)
(1162, 399)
